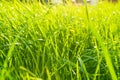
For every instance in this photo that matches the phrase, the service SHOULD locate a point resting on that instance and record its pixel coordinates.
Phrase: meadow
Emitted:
(59, 42)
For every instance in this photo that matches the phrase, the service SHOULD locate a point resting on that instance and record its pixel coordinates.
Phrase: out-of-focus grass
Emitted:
(59, 42)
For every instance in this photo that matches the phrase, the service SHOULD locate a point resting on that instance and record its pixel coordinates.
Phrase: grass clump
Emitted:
(58, 42)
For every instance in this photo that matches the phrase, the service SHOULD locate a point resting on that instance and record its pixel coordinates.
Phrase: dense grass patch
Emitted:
(59, 42)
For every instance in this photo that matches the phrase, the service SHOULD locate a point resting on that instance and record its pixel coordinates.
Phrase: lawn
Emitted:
(59, 42)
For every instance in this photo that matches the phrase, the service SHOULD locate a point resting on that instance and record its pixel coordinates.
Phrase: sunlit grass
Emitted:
(58, 42)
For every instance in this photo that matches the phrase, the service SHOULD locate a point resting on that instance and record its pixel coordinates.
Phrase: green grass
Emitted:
(59, 42)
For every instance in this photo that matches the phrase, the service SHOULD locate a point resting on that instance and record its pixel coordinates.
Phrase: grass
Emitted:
(59, 42)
